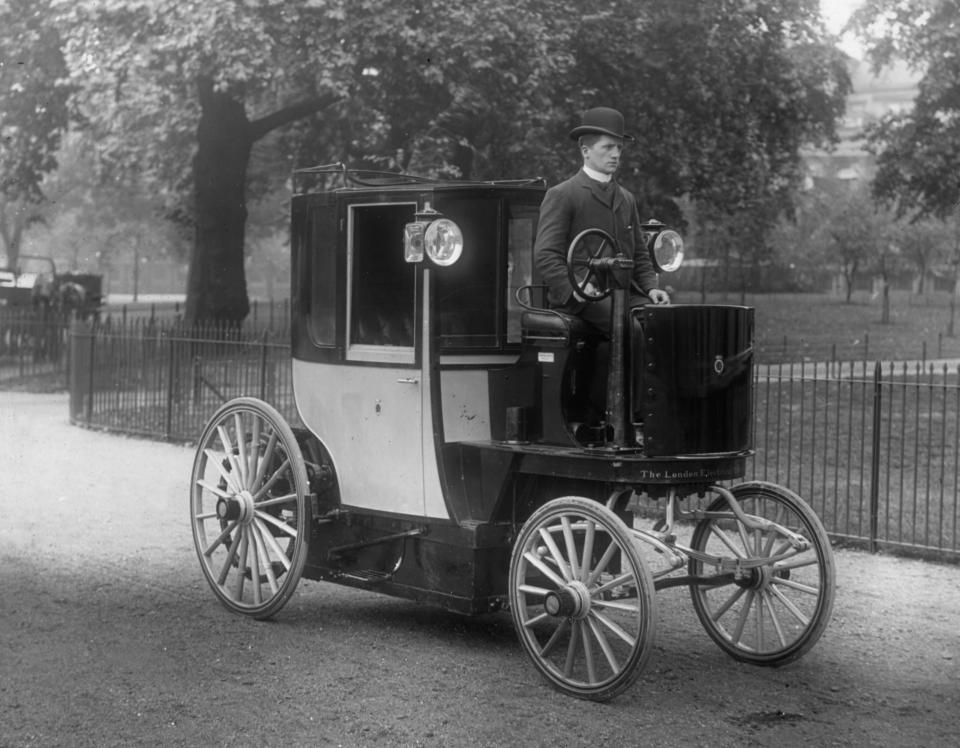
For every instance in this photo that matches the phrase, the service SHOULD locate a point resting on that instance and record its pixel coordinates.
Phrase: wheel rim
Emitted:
(776, 612)
(581, 598)
(249, 512)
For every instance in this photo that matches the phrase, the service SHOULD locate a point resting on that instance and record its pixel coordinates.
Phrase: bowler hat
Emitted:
(602, 121)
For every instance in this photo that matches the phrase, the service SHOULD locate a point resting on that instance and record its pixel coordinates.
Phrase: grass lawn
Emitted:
(822, 327)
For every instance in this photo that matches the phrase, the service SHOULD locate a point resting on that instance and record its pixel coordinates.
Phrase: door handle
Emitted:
(408, 380)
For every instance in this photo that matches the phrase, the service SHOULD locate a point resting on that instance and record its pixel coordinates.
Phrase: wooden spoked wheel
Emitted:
(581, 598)
(776, 611)
(249, 509)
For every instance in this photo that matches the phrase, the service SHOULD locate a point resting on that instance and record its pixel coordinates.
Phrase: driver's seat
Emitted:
(542, 325)
(548, 325)
(569, 355)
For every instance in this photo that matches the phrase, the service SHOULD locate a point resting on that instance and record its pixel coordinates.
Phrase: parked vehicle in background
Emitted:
(33, 282)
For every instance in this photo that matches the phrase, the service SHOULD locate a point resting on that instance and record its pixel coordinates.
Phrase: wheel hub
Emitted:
(238, 507)
(572, 601)
(756, 578)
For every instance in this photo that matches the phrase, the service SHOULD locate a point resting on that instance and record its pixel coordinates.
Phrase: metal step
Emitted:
(367, 576)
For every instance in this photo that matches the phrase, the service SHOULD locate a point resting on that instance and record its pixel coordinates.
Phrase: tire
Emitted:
(777, 611)
(582, 599)
(249, 508)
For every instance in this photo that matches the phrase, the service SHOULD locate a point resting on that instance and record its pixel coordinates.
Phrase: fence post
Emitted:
(170, 387)
(21, 348)
(93, 352)
(263, 366)
(76, 369)
(875, 458)
(68, 349)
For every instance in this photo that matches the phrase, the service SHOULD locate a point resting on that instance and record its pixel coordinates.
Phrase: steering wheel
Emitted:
(590, 256)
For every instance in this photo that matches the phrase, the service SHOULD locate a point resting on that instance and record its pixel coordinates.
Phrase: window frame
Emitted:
(373, 352)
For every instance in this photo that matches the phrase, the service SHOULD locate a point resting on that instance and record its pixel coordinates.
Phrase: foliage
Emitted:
(926, 243)
(801, 240)
(858, 234)
(33, 113)
(722, 97)
(723, 125)
(838, 225)
(167, 86)
(100, 228)
(176, 93)
(726, 95)
(140, 63)
(461, 90)
(918, 152)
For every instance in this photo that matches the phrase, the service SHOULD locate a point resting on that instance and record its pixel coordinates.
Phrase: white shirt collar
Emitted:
(594, 174)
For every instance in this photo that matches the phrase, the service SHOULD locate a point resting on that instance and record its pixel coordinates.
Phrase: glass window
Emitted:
(382, 284)
(467, 291)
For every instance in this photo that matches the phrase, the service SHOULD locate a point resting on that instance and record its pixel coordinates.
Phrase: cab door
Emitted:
(380, 463)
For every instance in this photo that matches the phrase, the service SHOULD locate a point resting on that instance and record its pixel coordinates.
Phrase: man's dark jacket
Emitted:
(577, 204)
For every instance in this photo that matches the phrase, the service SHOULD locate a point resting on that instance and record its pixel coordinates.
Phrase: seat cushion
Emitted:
(553, 324)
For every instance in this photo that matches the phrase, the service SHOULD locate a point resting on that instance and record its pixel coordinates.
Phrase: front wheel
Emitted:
(249, 507)
(774, 611)
(582, 598)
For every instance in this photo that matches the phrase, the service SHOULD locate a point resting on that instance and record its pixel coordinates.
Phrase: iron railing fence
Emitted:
(164, 380)
(34, 345)
(34, 340)
(874, 448)
(272, 315)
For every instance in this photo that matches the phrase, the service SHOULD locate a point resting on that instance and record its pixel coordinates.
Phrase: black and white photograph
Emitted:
(479, 373)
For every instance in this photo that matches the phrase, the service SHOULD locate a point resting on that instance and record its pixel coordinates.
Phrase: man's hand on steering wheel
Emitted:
(589, 292)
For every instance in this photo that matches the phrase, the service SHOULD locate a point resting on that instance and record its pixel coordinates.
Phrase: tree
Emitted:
(724, 95)
(857, 234)
(723, 126)
(451, 89)
(888, 259)
(918, 152)
(178, 91)
(163, 78)
(33, 113)
(801, 240)
(924, 243)
(167, 87)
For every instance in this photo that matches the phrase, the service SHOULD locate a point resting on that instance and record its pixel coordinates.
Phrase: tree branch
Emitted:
(260, 127)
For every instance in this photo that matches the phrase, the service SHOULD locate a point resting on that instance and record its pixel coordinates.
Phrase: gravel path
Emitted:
(109, 636)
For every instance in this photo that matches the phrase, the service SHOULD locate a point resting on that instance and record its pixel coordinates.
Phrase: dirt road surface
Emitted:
(109, 636)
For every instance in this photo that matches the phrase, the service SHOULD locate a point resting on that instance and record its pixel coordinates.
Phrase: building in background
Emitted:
(891, 91)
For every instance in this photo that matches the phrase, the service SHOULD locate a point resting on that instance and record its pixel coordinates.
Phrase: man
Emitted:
(592, 199)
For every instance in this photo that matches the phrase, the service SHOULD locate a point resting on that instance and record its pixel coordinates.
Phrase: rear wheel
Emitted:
(775, 612)
(249, 508)
(581, 598)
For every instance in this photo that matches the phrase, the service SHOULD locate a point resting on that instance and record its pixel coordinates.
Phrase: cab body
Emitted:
(449, 404)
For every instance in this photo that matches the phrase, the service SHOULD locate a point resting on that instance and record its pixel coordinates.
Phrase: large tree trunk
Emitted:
(13, 217)
(217, 285)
